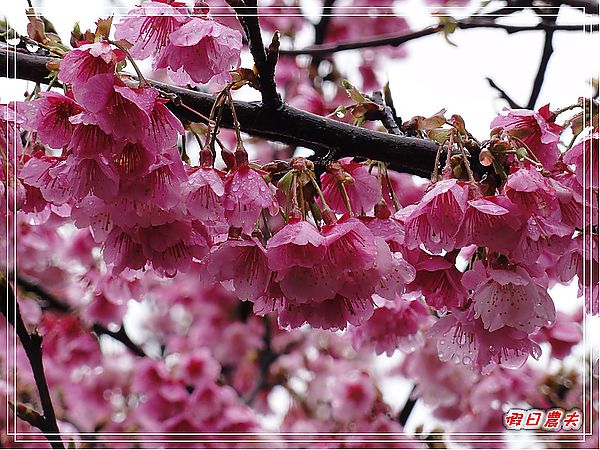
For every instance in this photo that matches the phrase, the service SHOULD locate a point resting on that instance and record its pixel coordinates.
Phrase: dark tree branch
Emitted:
(386, 115)
(31, 416)
(389, 39)
(32, 344)
(55, 304)
(408, 407)
(321, 28)
(285, 124)
(503, 94)
(541, 74)
(589, 6)
(322, 25)
(247, 13)
(266, 357)
(399, 39)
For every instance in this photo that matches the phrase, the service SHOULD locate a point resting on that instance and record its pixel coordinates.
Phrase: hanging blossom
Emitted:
(193, 50)
(508, 296)
(463, 339)
(534, 129)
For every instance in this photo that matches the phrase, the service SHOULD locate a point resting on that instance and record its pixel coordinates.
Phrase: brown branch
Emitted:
(321, 28)
(590, 7)
(51, 302)
(395, 39)
(266, 357)
(285, 124)
(503, 94)
(29, 415)
(32, 344)
(388, 39)
(247, 14)
(386, 115)
(408, 407)
(541, 74)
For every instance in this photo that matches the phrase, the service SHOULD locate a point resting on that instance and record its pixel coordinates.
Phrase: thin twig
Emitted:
(393, 40)
(247, 13)
(385, 115)
(402, 38)
(541, 74)
(503, 94)
(32, 344)
(266, 357)
(55, 304)
(408, 407)
(321, 28)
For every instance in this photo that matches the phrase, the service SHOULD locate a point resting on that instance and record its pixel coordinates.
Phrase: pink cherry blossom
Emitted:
(81, 64)
(363, 189)
(246, 195)
(508, 297)
(395, 324)
(204, 193)
(464, 340)
(296, 244)
(562, 335)
(119, 110)
(49, 116)
(332, 314)
(49, 174)
(436, 218)
(170, 247)
(200, 51)
(88, 139)
(92, 175)
(165, 128)
(535, 130)
(531, 192)
(439, 281)
(149, 26)
(123, 249)
(489, 223)
(243, 262)
(584, 157)
(353, 397)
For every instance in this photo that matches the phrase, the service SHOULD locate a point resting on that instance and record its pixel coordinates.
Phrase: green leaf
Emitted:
(353, 92)
(450, 25)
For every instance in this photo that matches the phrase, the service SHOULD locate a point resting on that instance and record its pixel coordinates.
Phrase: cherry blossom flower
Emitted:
(79, 65)
(463, 339)
(436, 219)
(246, 195)
(119, 110)
(200, 51)
(362, 186)
(439, 281)
(583, 156)
(353, 397)
(244, 263)
(296, 244)
(508, 296)
(535, 130)
(49, 117)
(395, 324)
(562, 335)
(489, 223)
(204, 193)
(149, 26)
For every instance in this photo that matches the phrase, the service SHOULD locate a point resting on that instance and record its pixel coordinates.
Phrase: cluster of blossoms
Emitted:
(238, 257)
(330, 250)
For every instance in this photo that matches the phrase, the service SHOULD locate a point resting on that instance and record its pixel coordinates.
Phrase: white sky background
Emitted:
(433, 76)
